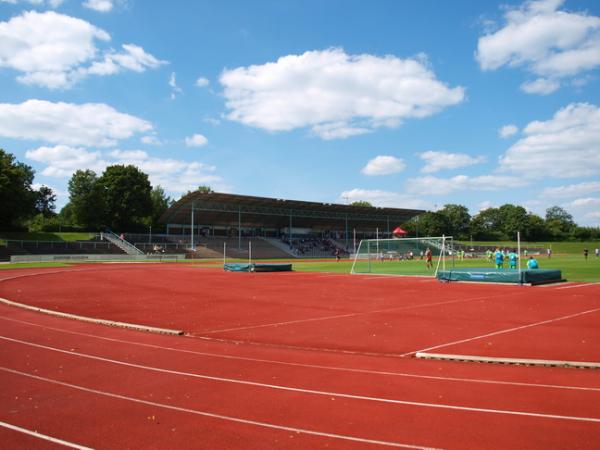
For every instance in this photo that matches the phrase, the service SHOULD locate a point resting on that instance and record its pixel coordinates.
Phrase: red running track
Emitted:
(101, 387)
(378, 315)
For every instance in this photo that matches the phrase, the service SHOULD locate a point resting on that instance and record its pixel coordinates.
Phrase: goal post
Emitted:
(404, 256)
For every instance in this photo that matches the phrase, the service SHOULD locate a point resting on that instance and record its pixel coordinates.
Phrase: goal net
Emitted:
(405, 256)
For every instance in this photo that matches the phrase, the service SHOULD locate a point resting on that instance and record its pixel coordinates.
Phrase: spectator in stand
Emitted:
(532, 263)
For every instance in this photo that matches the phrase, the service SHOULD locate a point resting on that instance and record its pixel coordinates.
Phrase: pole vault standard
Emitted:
(519, 255)
(192, 230)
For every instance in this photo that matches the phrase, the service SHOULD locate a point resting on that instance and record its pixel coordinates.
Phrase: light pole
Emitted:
(150, 235)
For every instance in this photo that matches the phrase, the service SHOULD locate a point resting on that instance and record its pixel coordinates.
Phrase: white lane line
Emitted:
(45, 437)
(219, 416)
(578, 286)
(343, 316)
(309, 366)
(308, 391)
(556, 319)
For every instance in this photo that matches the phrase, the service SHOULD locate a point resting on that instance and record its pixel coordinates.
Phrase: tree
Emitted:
(536, 228)
(86, 201)
(126, 194)
(204, 189)
(427, 224)
(44, 201)
(160, 203)
(487, 225)
(16, 195)
(458, 219)
(361, 203)
(512, 220)
(559, 222)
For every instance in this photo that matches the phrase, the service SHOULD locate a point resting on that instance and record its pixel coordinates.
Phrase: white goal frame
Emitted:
(374, 246)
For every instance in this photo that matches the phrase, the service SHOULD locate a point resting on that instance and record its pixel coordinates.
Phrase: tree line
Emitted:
(121, 198)
(502, 223)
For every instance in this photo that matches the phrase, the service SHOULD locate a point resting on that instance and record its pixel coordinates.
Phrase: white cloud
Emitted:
(197, 140)
(99, 5)
(593, 215)
(565, 146)
(150, 140)
(384, 165)
(541, 86)
(586, 202)
(212, 121)
(49, 3)
(202, 82)
(56, 51)
(548, 42)
(573, 190)
(63, 160)
(174, 175)
(508, 130)
(441, 160)
(335, 94)
(132, 58)
(486, 204)
(174, 88)
(89, 124)
(384, 199)
(430, 185)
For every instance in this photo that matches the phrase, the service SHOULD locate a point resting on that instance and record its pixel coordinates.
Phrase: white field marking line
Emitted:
(556, 319)
(43, 436)
(310, 366)
(218, 416)
(578, 286)
(342, 316)
(310, 391)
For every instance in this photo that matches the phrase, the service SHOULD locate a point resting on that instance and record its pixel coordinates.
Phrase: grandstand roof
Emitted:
(227, 209)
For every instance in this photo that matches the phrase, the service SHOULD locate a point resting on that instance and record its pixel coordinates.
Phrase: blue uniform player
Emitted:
(512, 259)
(532, 263)
(499, 259)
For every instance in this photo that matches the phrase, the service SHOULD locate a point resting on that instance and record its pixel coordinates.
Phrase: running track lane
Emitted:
(54, 382)
(342, 313)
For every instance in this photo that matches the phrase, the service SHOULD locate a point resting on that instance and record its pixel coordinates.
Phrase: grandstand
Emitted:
(276, 228)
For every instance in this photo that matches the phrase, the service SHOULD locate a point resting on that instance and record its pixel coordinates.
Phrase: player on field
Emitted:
(532, 263)
(499, 259)
(428, 257)
(512, 259)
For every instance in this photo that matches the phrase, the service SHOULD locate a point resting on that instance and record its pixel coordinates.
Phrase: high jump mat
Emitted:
(254, 267)
(512, 276)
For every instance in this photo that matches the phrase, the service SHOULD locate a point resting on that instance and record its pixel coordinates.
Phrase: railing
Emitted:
(127, 247)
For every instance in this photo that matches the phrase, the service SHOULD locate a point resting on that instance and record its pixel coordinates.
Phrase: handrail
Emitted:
(124, 245)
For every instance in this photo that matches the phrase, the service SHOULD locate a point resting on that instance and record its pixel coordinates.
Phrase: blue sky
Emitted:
(402, 104)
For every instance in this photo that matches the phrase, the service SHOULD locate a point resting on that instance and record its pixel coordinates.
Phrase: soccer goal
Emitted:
(404, 256)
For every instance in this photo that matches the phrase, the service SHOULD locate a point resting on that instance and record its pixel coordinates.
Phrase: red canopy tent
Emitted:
(399, 232)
